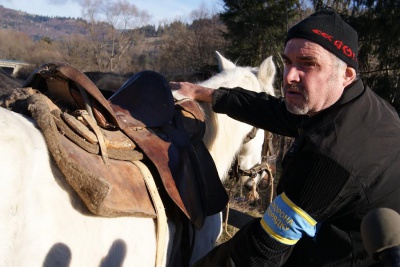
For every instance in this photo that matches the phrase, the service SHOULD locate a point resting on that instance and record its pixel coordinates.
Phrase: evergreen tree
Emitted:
(378, 25)
(256, 28)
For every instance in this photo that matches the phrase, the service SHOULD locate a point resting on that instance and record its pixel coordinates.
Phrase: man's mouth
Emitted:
(293, 90)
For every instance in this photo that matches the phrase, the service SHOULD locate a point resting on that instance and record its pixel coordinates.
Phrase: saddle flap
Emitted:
(193, 118)
(145, 99)
(175, 165)
(215, 196)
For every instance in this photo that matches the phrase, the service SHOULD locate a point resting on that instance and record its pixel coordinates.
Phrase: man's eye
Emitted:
(310, 64)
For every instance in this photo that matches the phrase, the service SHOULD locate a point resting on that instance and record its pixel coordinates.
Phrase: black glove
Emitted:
(218, 257)
(251, 246)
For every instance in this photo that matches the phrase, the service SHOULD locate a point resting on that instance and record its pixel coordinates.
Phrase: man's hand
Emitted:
(182, 90)
(250, 246)
(218, 257)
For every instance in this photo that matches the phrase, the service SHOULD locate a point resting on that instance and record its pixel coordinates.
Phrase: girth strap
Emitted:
(160, 211)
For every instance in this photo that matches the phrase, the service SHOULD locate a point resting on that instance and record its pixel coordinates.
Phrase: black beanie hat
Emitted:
(327, 29)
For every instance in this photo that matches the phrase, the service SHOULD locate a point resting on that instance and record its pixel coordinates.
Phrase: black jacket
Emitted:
(344, 162)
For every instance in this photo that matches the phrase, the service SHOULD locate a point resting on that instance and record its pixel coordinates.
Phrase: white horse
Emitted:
(250, 152)
(43, 222)
(224, 136)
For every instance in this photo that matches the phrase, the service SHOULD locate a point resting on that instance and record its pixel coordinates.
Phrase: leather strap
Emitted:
(100, 138)
(160, 211)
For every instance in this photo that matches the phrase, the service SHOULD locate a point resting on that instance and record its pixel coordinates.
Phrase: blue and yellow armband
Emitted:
(286, 222)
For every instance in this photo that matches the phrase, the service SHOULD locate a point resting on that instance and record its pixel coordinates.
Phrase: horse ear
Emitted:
(223, 63)
(266, 72)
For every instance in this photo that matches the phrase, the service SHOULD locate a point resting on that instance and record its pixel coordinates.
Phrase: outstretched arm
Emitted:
(193, 91)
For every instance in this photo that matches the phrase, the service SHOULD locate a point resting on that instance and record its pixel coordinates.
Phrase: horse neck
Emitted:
(224, 136)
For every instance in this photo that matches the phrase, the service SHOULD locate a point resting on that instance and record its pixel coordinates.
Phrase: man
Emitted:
(344, 162)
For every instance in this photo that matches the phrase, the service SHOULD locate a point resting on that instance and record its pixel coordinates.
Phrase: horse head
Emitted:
(224, 136)
(265, 73)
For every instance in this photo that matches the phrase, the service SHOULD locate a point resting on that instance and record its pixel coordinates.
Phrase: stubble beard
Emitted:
(300, 108)
(297, 109)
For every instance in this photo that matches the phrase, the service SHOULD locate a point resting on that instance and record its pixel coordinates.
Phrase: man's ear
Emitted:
(349, 76)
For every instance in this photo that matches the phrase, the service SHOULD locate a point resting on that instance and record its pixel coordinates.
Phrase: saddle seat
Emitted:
(98, 140)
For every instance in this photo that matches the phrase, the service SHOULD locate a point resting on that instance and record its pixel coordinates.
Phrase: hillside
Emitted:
(38, 27)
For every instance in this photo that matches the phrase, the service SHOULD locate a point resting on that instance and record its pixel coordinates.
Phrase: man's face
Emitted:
(312, 78)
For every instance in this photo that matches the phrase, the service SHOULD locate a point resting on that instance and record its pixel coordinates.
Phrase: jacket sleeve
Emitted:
(311, 190)
(257, 109)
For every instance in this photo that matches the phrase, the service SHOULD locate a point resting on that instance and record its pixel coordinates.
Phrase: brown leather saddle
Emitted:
(142, 112)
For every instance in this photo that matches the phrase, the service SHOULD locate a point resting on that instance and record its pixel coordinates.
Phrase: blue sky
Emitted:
(160, 10)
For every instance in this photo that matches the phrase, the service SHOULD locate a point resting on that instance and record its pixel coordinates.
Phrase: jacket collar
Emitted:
(351, 92)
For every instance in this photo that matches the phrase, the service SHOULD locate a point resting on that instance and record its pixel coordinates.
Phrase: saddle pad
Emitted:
(113, 190)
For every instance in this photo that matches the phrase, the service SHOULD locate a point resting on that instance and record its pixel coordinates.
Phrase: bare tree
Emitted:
(76, 50)
(15, 45)
(188, 50)
(207, 38)
(176, 52)
(113, 30)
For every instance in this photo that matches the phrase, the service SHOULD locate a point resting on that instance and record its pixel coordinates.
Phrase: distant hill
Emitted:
(38, 27)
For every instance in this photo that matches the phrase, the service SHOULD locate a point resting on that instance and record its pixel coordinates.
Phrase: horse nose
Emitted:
(249, 184)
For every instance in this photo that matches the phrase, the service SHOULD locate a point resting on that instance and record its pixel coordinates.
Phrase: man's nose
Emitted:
(291, 74)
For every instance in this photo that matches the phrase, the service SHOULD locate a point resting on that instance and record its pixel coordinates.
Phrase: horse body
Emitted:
(43, 220)
(45, 223)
